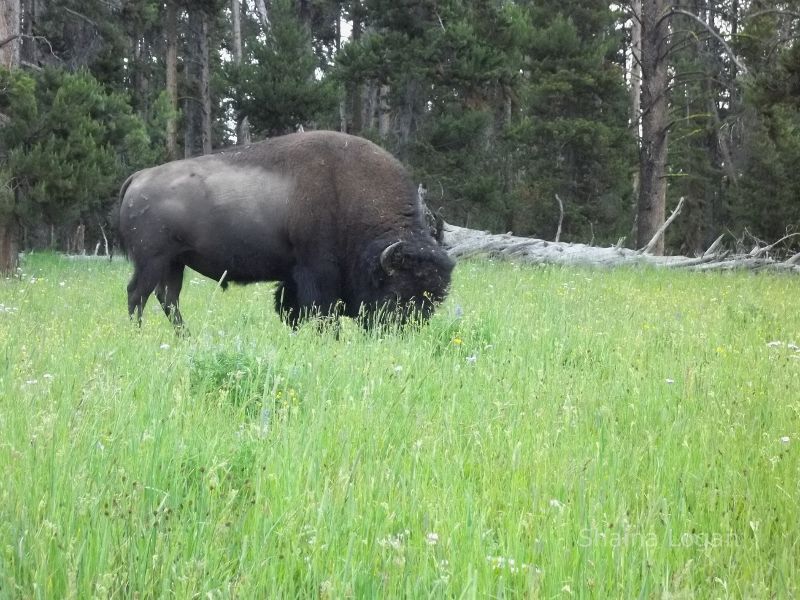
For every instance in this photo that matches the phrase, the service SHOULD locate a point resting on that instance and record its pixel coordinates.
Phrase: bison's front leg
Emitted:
(310, 292)
(286, 304)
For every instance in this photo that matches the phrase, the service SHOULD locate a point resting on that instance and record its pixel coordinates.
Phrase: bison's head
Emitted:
(407, 281)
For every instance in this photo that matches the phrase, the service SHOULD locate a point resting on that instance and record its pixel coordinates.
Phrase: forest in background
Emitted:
(503, 110)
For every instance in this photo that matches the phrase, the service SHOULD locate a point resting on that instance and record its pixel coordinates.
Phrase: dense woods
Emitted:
(506, 112)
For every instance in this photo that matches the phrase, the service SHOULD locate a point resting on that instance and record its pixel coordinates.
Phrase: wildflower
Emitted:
(432, 538)
(669, 381)
(398, 369)
(775, 344)
(472, 359)
(500, 563)
(47, 376)
(394, 542)
(554, 503)
(164, 346)
(785, 439)
(62, 283)
(457, 341)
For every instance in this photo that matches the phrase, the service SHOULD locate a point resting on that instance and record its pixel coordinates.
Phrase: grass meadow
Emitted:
(552, 432)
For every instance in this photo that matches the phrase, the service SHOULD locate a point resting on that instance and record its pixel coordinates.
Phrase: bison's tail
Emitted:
(114, 216)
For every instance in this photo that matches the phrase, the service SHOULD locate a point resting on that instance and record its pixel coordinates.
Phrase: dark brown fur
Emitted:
(313, 211)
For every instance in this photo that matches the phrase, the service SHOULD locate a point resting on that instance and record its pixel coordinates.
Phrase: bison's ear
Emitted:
(392, 257)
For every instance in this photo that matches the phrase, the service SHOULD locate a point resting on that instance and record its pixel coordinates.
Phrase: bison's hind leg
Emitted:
(145, 278)
(168, 292)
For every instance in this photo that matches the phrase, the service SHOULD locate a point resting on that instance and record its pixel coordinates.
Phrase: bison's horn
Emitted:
(386, 257)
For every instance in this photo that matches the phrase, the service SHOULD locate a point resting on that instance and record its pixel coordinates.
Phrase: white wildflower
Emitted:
(432, 538)
(785, 439)
(164, 346)
(472, 359)
(669, 381)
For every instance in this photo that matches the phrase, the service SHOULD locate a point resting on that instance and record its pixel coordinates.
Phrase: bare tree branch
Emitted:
(653, 242)
(772, 11)
(9, 39)
(36, 38)
(83, 17)
(717, 36)
(560, 217)
(756, 252)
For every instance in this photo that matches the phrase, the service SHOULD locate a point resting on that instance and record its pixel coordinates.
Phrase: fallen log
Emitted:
(463, 243)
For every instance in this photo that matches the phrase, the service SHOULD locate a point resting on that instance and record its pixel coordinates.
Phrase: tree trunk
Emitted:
(242, 122)
(263, 15)
(636, 83)
(384, 112)
(28, 50)
(9, 247)
(197, 106)
(405, 116)
(10, 32)
(9, 58)
(653, 151)
(205, 85)
(172, 79)
(355, 90)
(141, 82)
(304, 13)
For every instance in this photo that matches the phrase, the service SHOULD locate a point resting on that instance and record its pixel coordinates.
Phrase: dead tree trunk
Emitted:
(263, 16)
(636, 87)
(355, 90)
(461, 242)
(172, 79)
(242, 122)
(653, 150)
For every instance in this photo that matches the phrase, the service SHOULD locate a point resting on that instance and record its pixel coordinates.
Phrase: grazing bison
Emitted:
(334, 218)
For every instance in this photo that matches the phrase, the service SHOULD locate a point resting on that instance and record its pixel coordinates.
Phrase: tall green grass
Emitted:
(551, 432)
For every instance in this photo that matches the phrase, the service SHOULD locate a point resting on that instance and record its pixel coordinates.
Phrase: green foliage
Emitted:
(649, 450)
(235, 377)
(765, 201)
(277, 86)
(70, 143)
(503, 106)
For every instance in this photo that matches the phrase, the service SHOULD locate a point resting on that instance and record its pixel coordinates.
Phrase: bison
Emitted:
(332, 217)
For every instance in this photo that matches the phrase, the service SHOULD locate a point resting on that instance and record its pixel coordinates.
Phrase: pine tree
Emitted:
(69, 145)
(276, 85)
